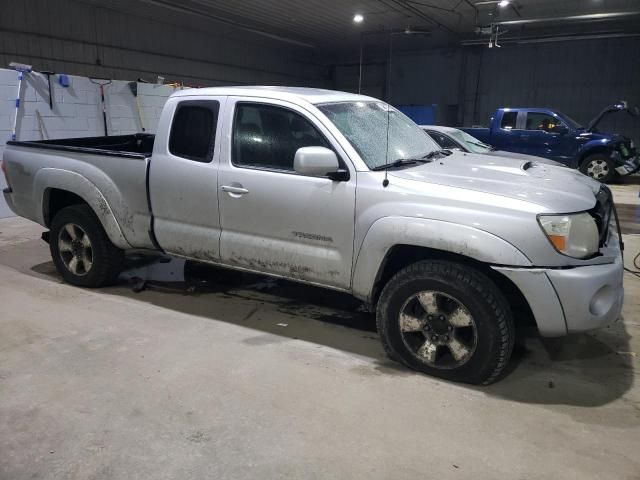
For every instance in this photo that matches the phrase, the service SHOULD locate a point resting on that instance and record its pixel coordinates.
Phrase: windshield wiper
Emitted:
(401, 162)
(435, 153)
(483, 145)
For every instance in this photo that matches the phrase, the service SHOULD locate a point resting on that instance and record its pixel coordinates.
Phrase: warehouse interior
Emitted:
(182, 368)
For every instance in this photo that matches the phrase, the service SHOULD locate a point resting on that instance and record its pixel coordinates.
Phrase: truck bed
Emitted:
(139, 145)
(106, 172)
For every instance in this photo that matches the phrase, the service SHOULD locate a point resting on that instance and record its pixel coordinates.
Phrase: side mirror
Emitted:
(560, 129)
(318, 162)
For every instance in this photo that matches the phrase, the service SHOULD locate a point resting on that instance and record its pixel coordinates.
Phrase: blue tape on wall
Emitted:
(421, 114)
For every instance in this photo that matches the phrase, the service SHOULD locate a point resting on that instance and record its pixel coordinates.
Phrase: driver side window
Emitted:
(542, 121)
(267, 136)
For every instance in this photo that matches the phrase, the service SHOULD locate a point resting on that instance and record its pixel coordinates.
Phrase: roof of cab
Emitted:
(310, 95)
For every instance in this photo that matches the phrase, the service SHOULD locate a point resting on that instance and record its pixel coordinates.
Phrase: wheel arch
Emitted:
(57, 189)
(393, 243)
(589, 150)
(401, 256)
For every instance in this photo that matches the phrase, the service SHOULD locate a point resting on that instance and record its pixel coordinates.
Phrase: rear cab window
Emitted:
(193, 130)
(509, 120)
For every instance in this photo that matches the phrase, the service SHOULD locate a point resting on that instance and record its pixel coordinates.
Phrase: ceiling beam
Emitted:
(571, 18)
(551, 38)
(419, 13)
(259, 30)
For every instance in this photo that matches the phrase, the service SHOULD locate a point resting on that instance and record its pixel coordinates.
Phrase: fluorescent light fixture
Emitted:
(357, 18)
(503, 3)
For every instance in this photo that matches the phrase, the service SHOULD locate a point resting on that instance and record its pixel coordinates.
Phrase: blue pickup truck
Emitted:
(551, 134)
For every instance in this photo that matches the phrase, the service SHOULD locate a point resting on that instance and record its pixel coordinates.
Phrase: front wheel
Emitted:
(447, 320)
(599, 167)
(81, 249)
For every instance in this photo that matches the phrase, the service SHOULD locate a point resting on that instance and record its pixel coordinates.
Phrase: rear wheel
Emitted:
(81, 250)
(599, 167)
(447, 320)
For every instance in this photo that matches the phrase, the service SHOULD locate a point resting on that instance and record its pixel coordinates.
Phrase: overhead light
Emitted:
(503, 3)
(357, 18)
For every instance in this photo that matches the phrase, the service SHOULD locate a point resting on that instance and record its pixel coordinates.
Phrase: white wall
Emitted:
(77, 110)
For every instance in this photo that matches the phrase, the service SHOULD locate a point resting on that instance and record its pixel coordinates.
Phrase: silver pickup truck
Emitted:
(342, 191)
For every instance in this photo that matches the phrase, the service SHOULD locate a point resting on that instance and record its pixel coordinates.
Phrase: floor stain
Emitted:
(198, 437)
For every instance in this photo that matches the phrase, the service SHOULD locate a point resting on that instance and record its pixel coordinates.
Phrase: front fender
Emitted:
(435, 234)
(49, 178)
(594, 146)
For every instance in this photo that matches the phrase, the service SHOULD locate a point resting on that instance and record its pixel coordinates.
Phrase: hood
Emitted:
(555, 189)
(621, 106)
(606, 138)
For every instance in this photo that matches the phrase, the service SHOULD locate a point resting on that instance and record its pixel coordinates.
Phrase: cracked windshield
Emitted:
(364, 124)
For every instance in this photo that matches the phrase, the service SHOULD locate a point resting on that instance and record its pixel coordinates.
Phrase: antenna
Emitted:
(385, 182)
(360, 68)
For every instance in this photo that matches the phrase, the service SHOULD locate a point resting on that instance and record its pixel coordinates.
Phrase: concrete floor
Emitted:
(246, 377)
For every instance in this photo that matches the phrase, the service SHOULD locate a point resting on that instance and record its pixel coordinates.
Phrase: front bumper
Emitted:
(631, 165)
(571, 300)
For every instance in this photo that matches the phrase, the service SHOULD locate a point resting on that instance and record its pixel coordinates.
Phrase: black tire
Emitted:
(106, 258)
(599, 167)
(493, 328)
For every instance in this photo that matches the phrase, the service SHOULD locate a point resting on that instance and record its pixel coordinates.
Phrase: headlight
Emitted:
(575, 235)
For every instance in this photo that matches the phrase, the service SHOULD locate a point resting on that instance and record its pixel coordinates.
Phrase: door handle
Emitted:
(234, 190)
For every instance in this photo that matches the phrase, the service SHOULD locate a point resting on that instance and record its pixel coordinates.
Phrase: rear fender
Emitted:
(51, 178)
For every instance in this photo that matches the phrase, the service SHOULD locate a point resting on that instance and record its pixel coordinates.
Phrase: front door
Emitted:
(183, 179)
(273, 219)
(542, 141)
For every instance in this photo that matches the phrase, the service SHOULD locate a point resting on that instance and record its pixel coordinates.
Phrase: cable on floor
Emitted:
(636, 263)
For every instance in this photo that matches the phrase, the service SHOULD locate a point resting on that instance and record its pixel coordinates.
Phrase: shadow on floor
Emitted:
(629, 180)
(585, 370)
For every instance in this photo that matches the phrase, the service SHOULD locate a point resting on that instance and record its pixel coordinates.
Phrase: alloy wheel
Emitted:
(597, 169)
(438, 329)
(75, 249)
